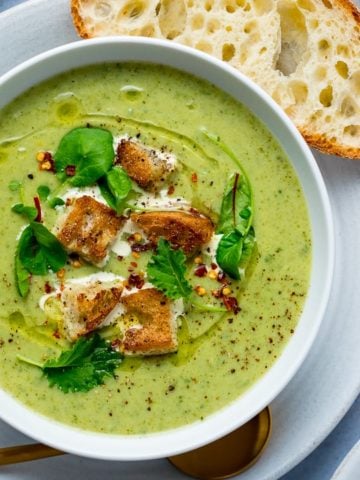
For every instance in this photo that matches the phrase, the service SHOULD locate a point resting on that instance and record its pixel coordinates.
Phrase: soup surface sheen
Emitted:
(218, 358)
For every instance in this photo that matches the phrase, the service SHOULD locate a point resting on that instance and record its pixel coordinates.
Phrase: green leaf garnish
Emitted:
(29, 212)
(89, 150)
(83, 367)
(43, 192)
(228, 253)
(236, 207)
(115, 188)
(166, 270)
(38, 251)
(22, 277)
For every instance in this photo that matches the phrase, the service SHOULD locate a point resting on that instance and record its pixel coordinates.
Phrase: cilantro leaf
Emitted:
(166, 270)
(83, 367)
(89, 150)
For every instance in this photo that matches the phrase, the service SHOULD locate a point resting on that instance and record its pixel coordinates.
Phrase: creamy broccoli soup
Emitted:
(155, 244)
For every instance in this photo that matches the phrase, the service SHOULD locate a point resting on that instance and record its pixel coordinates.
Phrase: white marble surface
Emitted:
(315, 400)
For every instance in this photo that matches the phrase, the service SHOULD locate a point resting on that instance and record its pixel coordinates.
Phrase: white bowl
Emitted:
(188, 437)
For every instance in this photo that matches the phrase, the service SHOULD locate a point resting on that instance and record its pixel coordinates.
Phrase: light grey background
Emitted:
(320, 465)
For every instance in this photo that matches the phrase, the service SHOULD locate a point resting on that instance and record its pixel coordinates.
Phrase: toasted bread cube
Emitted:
(185, 230)
(157, 333)
(87, 307)
(88, 228)
(143, 165)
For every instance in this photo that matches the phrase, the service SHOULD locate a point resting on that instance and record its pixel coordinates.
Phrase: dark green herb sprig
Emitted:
(83, 367)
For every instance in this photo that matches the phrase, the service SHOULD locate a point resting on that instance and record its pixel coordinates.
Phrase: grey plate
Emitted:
(328, 382)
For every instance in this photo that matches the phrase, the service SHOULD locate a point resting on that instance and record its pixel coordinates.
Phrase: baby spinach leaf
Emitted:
(54, 252)
(39, 250)
(234, 252)
(228, 253)
(115, 188)
(31, 255)
(29, 212)
(166, 270)
(89, 150)
(22, 277)
(83, 367)
(236, 207)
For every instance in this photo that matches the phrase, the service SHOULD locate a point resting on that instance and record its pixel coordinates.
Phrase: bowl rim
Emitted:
(187, 437)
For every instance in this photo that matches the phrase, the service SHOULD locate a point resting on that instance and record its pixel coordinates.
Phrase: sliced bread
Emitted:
(304, 53)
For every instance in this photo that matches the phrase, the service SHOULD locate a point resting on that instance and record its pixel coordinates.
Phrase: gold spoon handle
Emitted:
(26, 453)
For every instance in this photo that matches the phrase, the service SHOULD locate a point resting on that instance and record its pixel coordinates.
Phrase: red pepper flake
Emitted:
(194, 177)
(231, 304)
(214, 266)
(38, 208)
(136, 280)
(171, 190)
(133, 264)
(48, 288)
(222, 278)
(56, 334)
(46, 162)
(70, 170)
(201, 270)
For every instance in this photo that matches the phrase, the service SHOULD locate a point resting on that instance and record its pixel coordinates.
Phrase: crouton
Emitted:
(88, 228)
(146, 167)
(185, 230)
(157, 333)
(87, 307)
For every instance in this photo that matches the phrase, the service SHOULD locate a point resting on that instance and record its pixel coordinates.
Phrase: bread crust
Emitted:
(185, 230)
(315, 139)
(88, 228)
(86, 306)
(78, 20)
(142, 165)
(158, 333)
(324, 145)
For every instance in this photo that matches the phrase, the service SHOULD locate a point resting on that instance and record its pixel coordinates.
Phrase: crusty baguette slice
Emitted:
(304, 53)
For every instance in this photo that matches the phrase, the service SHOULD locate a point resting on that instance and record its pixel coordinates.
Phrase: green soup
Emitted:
(220, 355)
